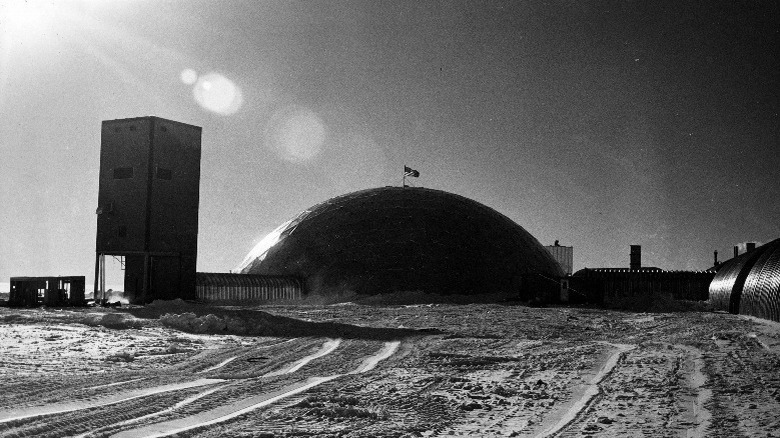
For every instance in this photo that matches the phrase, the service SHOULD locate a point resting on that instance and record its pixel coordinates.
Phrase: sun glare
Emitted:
(261, 249)
(26, 22)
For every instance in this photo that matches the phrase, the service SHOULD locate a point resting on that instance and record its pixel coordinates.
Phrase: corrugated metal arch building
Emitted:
(750, 283)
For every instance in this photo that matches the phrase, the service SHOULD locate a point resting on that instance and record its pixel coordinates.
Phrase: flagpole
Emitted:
(408, 171)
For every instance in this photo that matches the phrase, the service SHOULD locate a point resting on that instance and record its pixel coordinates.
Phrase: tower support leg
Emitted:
(97, 277)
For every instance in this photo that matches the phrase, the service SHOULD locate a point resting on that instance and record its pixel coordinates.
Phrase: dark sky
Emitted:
(600, 124)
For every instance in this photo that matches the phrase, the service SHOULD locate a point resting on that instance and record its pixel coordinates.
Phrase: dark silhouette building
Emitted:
(635, 262)
(403, 239)
(615, 285)
(47, 291)
(564, 255)
(148, 206)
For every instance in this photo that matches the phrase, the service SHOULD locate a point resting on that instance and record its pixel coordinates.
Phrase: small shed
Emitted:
(47, 291)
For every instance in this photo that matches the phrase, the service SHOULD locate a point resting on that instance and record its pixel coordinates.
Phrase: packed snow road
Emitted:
(364, 371)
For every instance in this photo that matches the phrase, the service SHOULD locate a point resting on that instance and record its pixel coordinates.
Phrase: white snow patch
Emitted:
(371, 362)
(58, 408)
(327, 347)
(116, 383)
(697, 380)
(158, 413)
(759, 341)
(219, 365)
(591, 390)
(227, 361)
(278, 343)
(222, 414)
(241, 407)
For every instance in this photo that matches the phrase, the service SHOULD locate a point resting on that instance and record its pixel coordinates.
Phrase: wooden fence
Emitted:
(246, 288)
(608, 285)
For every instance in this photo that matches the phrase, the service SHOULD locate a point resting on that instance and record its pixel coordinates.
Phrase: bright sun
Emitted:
(26, 21)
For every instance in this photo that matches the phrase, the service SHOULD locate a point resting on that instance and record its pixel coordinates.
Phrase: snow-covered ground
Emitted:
(452, 370)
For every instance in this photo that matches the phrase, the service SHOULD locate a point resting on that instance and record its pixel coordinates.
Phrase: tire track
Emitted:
(108, 385)
(258, 347)
(194, 401)
(592, 390)
(697, 380)
(231, 359)
(98, 419)
(60, 408)
(219, 365)
(221, 414)
(255, 363)
(158, 413)
(372, 361)
(326, 349)
(241, 407)
(41, 391)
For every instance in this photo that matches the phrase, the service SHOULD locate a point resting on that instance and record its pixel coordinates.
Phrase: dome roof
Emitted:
(401, 239)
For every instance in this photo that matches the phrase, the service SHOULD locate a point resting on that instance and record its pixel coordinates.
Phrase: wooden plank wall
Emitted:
(607, 285)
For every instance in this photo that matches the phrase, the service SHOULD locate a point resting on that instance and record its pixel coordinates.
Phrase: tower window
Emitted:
(163, 173)
(123, 172)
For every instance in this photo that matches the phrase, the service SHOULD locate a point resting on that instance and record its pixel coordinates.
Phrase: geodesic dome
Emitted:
(402, 239)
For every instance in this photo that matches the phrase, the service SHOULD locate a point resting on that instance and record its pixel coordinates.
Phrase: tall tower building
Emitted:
(147, 211)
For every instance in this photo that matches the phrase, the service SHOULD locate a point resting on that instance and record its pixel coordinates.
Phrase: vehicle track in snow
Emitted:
(237, 408)
(578, 408)
(486, 370)
(59, 408)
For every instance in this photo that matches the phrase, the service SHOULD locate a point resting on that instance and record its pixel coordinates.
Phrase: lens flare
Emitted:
(189, 76)
(295, 134)
(218, 94)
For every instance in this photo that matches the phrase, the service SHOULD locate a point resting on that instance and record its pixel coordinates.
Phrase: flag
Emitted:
(408, 171)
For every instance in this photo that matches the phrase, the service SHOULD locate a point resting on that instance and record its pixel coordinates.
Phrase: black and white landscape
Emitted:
(352, 370)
